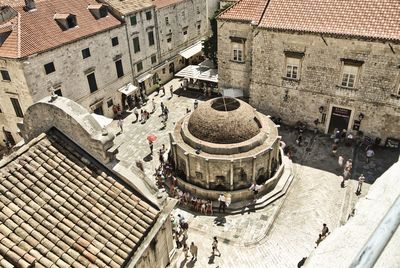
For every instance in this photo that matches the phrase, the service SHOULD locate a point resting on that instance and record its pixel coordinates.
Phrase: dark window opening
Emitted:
(136, 45)
(139, 66)
(5, 75)
(103, 11)
(151, 38)
(169, 39)
(110, 103)
(86, 53)
(120, 70)
(58, 92)
(49, 68)
(71, 21)
(99, 110)
(148, 15)
(92, 82)
(153, 59)
(17, 107)
(114, 41)
(133, 20)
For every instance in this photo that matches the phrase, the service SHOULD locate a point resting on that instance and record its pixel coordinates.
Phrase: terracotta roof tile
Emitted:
(163, 3)
(126, 7)
(367, 18)
(378, 19)
(245, 10)
(37, 31)
(81, 218)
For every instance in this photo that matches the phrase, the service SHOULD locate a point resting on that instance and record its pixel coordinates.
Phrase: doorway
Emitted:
(340, 118)
(9, 137)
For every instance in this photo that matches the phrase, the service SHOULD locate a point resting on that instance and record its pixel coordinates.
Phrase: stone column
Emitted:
(231, 167)
(208, 173)
(174, 153)
(187, 166)
(253, 176)
(278, 141)
(270, 150)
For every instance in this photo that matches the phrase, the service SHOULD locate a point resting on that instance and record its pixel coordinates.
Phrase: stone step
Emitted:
(249, 206)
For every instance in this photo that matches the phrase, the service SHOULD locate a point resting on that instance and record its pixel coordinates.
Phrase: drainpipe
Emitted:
(157, 35)
(129, 47)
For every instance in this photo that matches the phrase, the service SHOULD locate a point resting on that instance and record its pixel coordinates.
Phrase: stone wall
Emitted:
(30, 83)
(320, 79)
(233, 74)
(16, 88)
(182, 16)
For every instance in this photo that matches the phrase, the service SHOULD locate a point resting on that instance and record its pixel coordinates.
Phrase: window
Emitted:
(49, 68)
(349, 75)
(58, 92)
(185, 32)
(71, 21)
(17, 107)
(133, 20)
(151, 38)
(139, 66)
(237, 52)
(92, 82)
(85, 53)
(169, 39)
(153, 59)
(292, 67)
(5, 75)
(114, 41)
(163, 70)
(148, 15)
(136, 45)
(110, 103)
(99, 110)
(167, 20)
(198, 28)
(120, 70)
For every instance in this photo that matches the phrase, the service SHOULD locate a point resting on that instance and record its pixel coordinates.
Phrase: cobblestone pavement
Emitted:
(315, 196)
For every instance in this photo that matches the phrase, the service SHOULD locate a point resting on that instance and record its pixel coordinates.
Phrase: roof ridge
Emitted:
(19, 35)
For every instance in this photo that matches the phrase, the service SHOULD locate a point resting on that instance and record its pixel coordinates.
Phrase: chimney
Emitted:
(30, 5)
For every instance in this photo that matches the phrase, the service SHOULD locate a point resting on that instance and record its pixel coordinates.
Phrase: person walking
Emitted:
(222, 203)
(171, 90)
(153, 106)
(185, 249)
(195, 104)
(340, 161)
(120, 124)
(299, 139)
(325, 230)
(151, 147)
(136, 113)
(319, 240)
(162, 108)
(361, 180)
(215, 246)
(193, 250)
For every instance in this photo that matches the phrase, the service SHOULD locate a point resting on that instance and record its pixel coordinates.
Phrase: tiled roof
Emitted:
(127, 7)
(245, 10)
(37, 31)
(164, 3)
(60, 208)
(368, 18)
(365, 18)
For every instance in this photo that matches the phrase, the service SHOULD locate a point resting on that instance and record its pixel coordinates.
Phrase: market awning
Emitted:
(199, 72)
(144, 77)
(232, 92)
(128, 89)
(102, 120)
(192, 50)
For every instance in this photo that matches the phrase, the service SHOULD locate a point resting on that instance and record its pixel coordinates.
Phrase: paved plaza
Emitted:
(284, 232)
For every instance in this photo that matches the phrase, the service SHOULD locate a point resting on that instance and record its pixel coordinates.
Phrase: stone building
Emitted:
(311, 61)
(225, 145)
(141, 34)
(180, 25)
(78, 50)
(61, 206)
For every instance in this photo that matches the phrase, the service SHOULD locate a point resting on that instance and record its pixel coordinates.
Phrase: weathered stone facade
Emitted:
(30, 83)
(317, 92)
(374, 94)
(234, 73)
